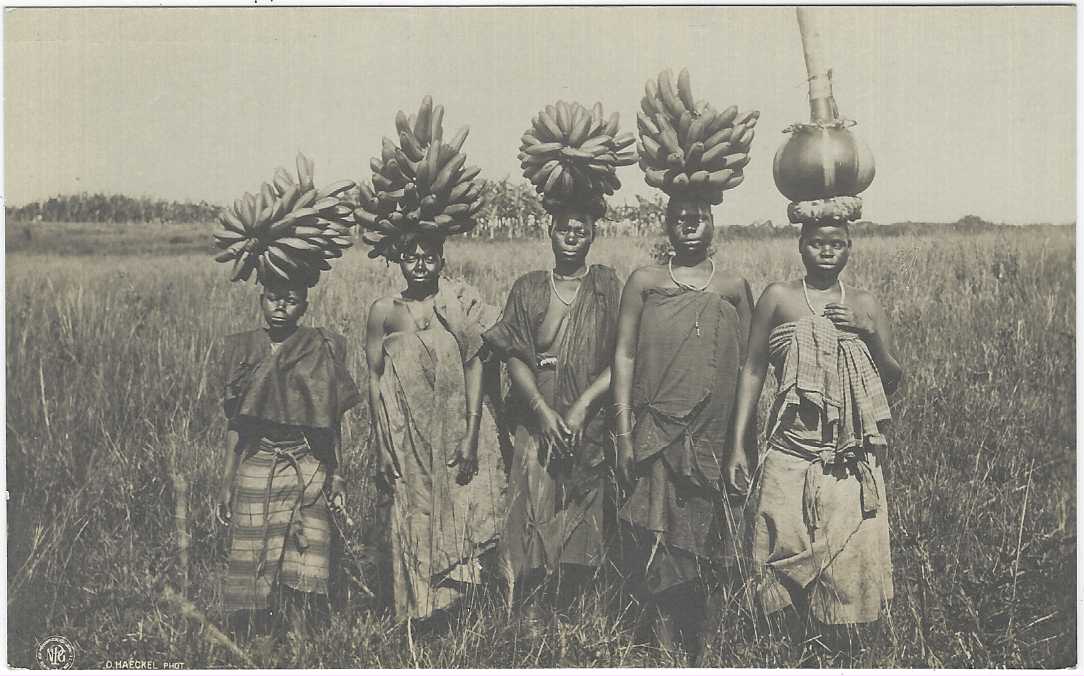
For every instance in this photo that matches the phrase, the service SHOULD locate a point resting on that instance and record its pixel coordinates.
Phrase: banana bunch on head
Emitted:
(686, 147)
(571, 154)
(420, 187)
(288, 231)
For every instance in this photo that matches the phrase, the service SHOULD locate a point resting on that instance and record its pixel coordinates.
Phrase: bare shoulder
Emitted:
(646, 277)
(380, 308)
(778, 291)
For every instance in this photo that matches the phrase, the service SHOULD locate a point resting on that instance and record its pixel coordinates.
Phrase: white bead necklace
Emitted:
(842, 295)
(421, 325)
(690, 287)
(553, 285)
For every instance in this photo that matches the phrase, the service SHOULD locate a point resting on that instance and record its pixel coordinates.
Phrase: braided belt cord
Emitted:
(295, 529)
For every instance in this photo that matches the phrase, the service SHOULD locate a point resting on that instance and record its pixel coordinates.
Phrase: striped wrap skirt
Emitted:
(281, 529)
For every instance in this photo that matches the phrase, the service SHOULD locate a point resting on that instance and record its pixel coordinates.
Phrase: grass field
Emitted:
(112, 389)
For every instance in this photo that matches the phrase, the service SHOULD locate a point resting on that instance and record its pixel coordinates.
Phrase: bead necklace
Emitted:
(419, 325)
(553, 285)
(690, 287)
(842, 295)
(569, 278)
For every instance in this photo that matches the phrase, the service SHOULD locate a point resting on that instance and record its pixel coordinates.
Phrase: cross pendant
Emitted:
(697, 328)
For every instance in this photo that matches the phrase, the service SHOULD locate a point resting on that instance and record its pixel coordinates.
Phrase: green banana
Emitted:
(283, 179)
(714, 157)
(718, 179)
(655, 178)
(421, 126)
(297, 244)
(231, 222)
(667, 136)
(387, 149)
(337, 188)
(436, 125)
(545, 148)
(696, 152)
(684, 88)
(564, 120)
(402, 123)
(579, 131)
(683, 125)
(447, 172)
(459, 138)
(612, 124)
(432, 162)
(365, 217)
(647, 127)
(624, 140)
(554, 176)
(550, 124)
(669, 95)
(410, 147)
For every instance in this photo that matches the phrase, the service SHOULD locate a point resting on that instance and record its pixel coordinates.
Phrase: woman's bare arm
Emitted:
(523, 379)
(374, 359)
(882, 347)
(598, 388)
(624, 362)
(472, 372)
(236, 443)
(624, 367)
(751, 380)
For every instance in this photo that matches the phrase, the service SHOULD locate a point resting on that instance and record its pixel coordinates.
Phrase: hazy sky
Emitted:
(967, 110)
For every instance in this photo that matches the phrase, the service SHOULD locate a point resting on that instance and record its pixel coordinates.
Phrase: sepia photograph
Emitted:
(540, 337)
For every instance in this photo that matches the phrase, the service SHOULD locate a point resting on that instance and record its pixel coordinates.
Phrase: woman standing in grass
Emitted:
(680, 344)
(286, 390)
(819, 528)
(437, 451)
(556, 335)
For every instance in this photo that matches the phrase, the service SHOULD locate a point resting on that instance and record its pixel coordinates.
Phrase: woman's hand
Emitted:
(553, 427)
(848, 319)
(336, 493)
(387, 470)
(737, 472)
(466, 458)
(224, 509)
(575, 419)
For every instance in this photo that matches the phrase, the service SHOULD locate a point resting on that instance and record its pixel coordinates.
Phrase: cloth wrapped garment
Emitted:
(290, 400)
(281, 530)
(438, 528)
(819, 526)
(555, 506)
(304, 383)
(689, 353)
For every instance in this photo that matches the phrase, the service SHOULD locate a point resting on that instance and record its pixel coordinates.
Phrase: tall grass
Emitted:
(113, 388)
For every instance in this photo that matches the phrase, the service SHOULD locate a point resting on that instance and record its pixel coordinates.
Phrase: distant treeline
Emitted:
(101, 208)
(513, 210)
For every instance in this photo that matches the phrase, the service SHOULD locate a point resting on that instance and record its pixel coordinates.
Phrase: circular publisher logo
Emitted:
(56, 652)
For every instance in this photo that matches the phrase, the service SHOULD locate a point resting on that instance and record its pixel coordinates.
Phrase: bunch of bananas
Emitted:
(288, 231)
(571, 154)
(420, 188)
(688, 148)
